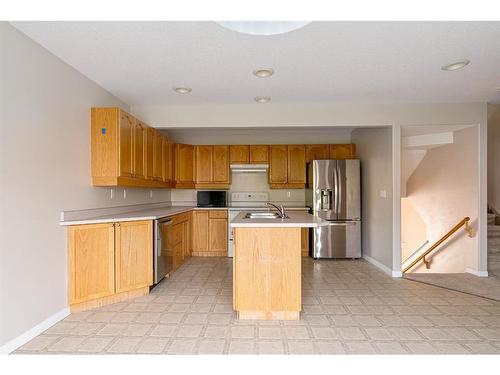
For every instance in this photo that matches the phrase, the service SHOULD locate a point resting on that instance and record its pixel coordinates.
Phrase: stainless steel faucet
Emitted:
(280, 208)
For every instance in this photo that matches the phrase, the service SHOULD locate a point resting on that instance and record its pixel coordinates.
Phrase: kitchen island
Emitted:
(267, 265)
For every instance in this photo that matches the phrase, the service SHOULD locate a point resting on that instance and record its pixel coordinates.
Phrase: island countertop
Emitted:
(296, 219)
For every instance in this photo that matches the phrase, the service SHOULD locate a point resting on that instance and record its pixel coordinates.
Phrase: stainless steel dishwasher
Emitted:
(163, 249)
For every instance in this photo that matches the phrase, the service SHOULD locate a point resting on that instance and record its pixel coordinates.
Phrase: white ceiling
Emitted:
(140, 62)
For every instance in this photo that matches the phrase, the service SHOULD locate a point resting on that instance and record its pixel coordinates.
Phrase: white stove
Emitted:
(244, 201)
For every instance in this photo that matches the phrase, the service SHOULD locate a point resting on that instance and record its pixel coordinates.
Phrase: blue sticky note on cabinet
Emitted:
(103, 131)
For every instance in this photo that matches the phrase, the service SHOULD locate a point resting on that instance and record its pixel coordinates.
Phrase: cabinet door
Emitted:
(133, 255)
(126, 150)
(317, 152)
(344, 151)
(91, 262)
(239, 154)
(278, 164)
(200, 231)
(220, 167)
(259, 154)
(158, 157)
(150, 138)
(217, 233)
(139, 150)
(184, 163)
(204, 164)
(296, 164)
(179, 243)
(167, 160)
(187, 239)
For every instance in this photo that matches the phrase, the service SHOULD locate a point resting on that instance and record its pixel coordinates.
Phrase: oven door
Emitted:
(163, 250)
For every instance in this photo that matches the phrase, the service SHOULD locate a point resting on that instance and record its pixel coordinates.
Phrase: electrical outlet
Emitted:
(124, 194)
(112, 193)
(288, 194)
(151, 194)
(382, 193)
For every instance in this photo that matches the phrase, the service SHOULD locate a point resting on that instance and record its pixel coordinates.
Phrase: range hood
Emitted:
(249, 168)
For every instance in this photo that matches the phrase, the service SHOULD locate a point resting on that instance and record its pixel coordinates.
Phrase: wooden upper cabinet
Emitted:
(296, 164)
(123, 150)
(184, 165)
(220, 164)
(204, 164)
(91, 262)
(212, 166)
(133, 255)
(259, 154)
(126, 145)
(317, 152)
(239, 154)
(158, 156)
(139, 150)
(278, 156)
(150, 141)
(343, 151)
(168, 167)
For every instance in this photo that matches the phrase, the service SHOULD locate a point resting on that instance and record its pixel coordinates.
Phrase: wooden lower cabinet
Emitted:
(181, 239)
(267, 273)
(304, 242)
(108, 262)
(133, 255)
(91, 262)
(210, 233)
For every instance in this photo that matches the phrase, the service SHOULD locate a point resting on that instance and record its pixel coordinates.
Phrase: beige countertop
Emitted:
(144, 214)
(296, 219)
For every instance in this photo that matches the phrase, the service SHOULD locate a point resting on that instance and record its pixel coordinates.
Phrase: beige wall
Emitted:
(241, 182)
(374, 147)
(45, 168)
(413, 229)
(444, 189)
(494, 156)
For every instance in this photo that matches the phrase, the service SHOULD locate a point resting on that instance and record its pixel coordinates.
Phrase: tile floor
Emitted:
(349, 307)
(488, 287)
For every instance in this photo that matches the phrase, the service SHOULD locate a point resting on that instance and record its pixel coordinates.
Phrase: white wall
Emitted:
(444, 189)
(494, 156)
(374, 149)
(44, 169)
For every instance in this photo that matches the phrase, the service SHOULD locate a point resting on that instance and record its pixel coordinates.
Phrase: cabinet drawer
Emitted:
(217, 214)
(177, 234)
(181, 217)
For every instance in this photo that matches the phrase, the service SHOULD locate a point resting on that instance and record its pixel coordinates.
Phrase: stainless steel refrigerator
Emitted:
(333, 194)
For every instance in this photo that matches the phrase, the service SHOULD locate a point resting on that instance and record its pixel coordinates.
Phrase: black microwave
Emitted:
(211, 198)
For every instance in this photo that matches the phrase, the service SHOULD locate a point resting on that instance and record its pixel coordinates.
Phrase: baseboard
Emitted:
(22, 339)
(477, 273)
(384, 268)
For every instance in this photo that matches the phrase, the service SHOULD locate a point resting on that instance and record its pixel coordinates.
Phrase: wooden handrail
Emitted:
(464, 221)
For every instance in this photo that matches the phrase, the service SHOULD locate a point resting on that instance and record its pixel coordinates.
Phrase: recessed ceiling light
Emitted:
(263, 72)
(182, 90)
(455, 65)
(262, 99)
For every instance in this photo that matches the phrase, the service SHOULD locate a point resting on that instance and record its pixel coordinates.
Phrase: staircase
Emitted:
(493, 243)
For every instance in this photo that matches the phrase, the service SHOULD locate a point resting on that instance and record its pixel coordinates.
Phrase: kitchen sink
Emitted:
(263, 215)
